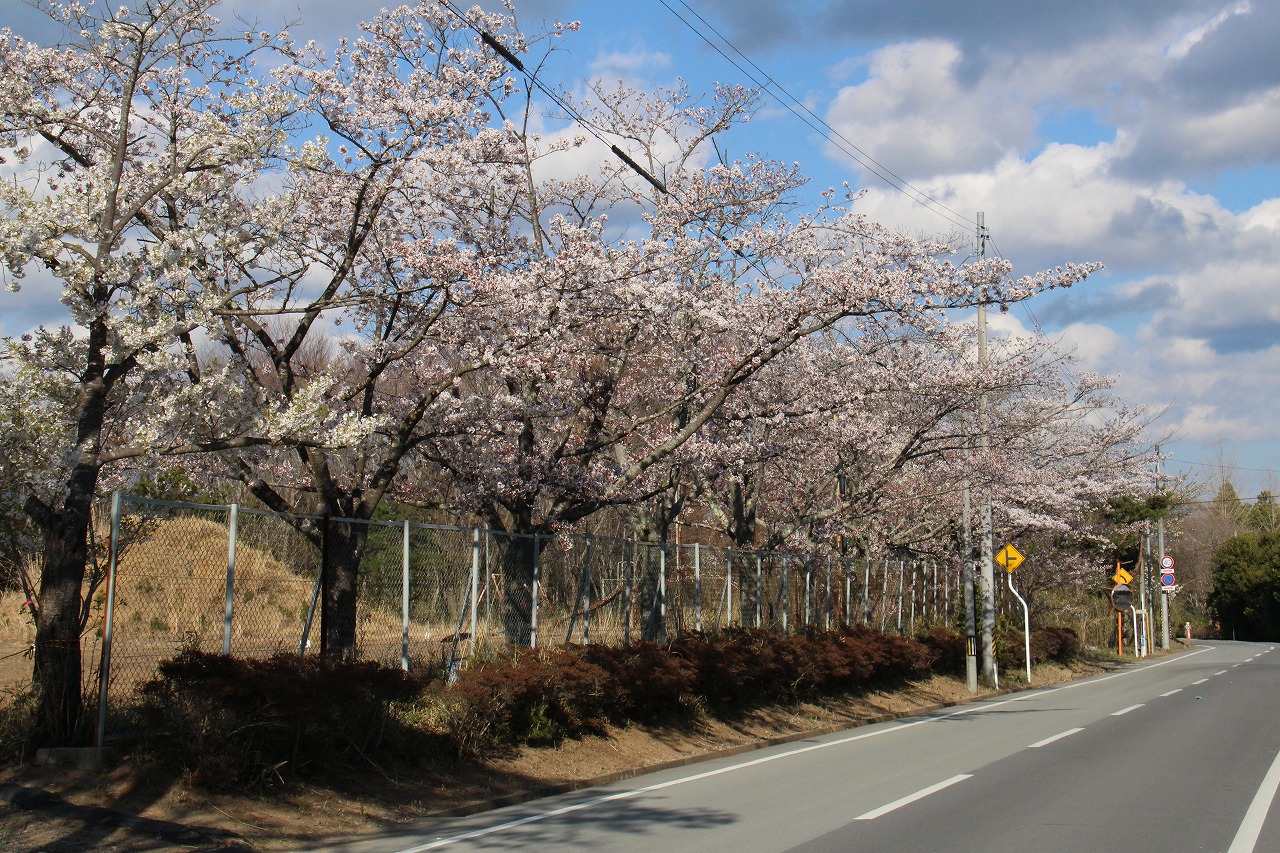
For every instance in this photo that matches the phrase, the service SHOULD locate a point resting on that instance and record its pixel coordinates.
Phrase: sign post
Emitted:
(1009, 558)
(1121, 600)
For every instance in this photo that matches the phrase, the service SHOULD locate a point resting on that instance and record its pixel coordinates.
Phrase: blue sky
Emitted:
(1142, 133)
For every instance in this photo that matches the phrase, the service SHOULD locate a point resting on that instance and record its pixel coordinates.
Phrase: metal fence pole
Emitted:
(104, 675)
(808, 591)
(698, 588)
(902, 567)
(884, 595)
(826, 623)
(759, 586)
(475, 585)
(627, 555)
(229, 608)
(404, 598)
(728, 590)
(533, 605)
(786, 598)
(848, 592)
(866, 595)
(662, 590)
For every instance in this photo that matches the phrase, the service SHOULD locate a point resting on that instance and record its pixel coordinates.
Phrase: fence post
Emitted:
(786, 597)
(902, 567)
(866, 594)
(475, 585)
(697, 587)
(104, 676)
(759, 587)
(324, 584)
(826, 625)
(728, 591)
(404, 598)
(232, 522)
(884, 595)
(848, 592)
(808, 591)
(627, 554)
(533, 603)
(662, 590)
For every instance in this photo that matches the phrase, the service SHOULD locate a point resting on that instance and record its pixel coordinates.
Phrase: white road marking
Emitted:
(1251, 826)
(1171, 692)
(1221, 672)
(1056, 737)
(1201, 681)
(1124, 711)
(911, 798)
(636, 792)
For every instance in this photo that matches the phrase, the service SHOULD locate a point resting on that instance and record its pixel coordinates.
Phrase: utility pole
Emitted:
(1164, 596)
(984, 444)
(966, 575)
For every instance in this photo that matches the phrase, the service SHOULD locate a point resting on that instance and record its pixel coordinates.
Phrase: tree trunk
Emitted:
(343, 544)
(517, 558)
(57, 667)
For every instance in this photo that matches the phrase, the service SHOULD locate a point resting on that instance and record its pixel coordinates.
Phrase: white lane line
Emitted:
(1124, 711)
(911, 798)
(1056, 737)
(1234, 665)
(1171, 692)
(1201, 681)
(1221, 672)
(636, 792)
(1251, 826)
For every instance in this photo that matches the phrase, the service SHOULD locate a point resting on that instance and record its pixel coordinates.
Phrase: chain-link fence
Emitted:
(252, 583)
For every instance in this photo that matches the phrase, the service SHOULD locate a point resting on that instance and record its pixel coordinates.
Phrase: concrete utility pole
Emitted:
(1164, 596)
(984, 443)
(966, 575)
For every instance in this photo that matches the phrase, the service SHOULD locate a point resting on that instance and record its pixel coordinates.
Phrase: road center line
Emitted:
(1201, 681)
(1056, 737)
(1171, 692)
(1124, 711)
(1221, 672)
(1251, 826)
(911, 798)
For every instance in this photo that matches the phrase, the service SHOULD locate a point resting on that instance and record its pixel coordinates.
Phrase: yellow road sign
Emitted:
(1009, 558)
(1122, 576)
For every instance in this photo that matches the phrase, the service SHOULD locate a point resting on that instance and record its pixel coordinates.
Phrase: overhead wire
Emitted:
(765, 83)
(555, 97)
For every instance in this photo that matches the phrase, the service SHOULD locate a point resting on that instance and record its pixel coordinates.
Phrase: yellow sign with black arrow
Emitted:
(1121, 576)
(1009, 558)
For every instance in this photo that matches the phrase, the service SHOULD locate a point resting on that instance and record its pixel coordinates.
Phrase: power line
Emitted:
(514, 61)
(766, 83)
(1226, 467)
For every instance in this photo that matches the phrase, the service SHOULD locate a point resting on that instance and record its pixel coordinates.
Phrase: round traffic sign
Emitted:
(1166, 562)
(1166, 579)
(1121, 597)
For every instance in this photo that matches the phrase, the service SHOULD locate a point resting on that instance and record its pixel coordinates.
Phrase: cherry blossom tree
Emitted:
(132, 145)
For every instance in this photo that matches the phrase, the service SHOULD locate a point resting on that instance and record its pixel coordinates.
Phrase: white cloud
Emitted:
(914, 113)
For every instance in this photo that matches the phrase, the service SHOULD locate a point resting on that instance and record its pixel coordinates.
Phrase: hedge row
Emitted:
(253, 722)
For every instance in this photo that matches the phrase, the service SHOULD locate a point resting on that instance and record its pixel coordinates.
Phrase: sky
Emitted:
(1144, 134)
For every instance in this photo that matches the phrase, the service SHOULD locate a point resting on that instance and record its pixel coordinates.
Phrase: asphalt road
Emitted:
(1179, 755)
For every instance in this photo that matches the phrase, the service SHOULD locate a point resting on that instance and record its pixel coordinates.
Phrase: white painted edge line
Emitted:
(1201, 681)
(636, 792)
(1251, 826)
(1124, 711)
(1171, 692)
(911, 798)
(1056, 737)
